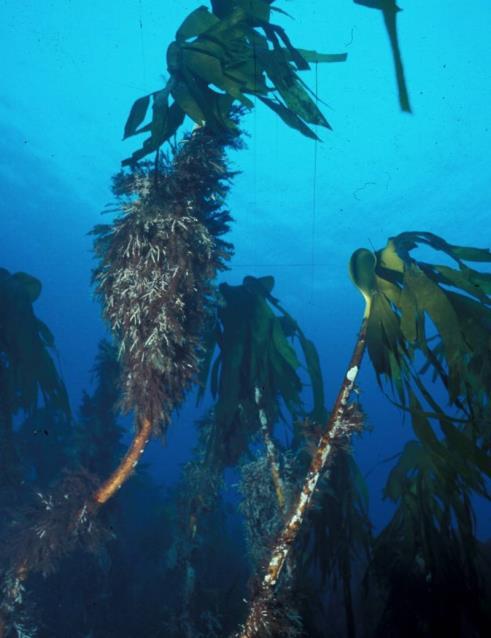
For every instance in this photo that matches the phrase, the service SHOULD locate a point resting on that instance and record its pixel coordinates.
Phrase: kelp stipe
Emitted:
(339, 429)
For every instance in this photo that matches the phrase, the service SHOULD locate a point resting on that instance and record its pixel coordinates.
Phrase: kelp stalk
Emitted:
(271, 452)
(339, 428)
(127, 465)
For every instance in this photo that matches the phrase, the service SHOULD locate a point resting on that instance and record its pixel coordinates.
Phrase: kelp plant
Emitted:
(428, 570)
(156, 266)
(404, 300)
(27, 372)
(257, 383)
(158, 260)
(27, 369)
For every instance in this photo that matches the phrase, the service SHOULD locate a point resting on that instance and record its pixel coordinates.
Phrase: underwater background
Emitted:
(71, 71)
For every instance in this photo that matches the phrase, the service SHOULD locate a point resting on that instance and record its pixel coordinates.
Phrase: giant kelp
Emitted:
(236, 49)
(427, 565)
(27, 373)
(387, 279)
(256, 368)
(157, 263)
(45, 538)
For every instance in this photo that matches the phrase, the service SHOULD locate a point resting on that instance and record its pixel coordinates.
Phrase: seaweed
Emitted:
(385, 279)
(304, 504)
(218, 59)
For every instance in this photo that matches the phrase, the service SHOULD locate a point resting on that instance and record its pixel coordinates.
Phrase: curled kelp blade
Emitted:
(236, 49)
(362, 272)
(432, 313)
(454, 302)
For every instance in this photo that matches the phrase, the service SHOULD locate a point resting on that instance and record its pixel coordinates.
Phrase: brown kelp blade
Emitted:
(390, 10)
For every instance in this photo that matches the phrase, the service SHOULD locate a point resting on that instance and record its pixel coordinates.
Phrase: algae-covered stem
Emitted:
(338, 428)
(14, 592)
(271, 451)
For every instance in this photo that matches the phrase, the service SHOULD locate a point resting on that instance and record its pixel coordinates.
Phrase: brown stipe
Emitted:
(127, 465)
(338, 429)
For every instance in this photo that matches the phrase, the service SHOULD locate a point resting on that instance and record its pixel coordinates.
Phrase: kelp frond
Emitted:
(237, 49)
(431, 315)
(27, 369)
(399, 292)
(428, 553)
(256, 370)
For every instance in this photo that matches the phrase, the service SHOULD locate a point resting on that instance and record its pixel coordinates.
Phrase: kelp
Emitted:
(45, 444)
(49, 527)
(156, 267)
(395, 286)
(431, 316)
(218, 59)
(338, 534)
(389, 11)
(55, 518)
(28, 372)
(427, 563)
(343, 422)
(98, 435)
(157, 262)
(196, 499)
(27, 368)
(256, 362)
(431, 323)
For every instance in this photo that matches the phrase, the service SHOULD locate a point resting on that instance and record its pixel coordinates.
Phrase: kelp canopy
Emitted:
(221, 57)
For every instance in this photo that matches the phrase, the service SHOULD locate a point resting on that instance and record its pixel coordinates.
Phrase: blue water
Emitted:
(72, 69)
